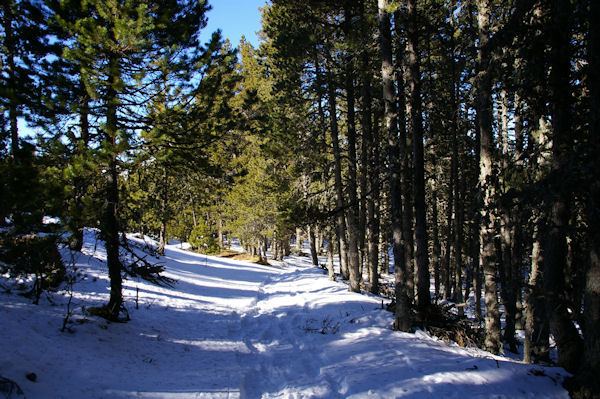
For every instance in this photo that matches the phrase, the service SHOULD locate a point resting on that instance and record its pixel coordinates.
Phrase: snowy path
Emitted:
(231, 329)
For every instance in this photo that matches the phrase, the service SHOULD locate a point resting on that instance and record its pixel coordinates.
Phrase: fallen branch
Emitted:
(139, 266)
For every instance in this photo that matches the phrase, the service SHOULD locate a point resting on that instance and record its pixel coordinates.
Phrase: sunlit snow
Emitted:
(233, 329)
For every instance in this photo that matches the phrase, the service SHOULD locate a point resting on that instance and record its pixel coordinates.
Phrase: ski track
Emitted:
(231, 329)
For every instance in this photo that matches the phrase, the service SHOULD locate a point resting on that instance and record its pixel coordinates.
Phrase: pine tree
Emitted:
(116, 45)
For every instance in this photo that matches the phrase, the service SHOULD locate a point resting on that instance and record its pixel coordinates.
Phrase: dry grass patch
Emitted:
(228, 253)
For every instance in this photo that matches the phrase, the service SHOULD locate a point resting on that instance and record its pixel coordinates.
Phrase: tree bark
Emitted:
(438, 275)
(330, 253)
(508, 283)
(111, 226)
(455, 178)
(590, 368)
(313, 246)
(537, 331)
(352, 212)
(299, 240)
(80, 184)
(403, 319)
(370, 159)
(405, 146)
(487, 183)
(416, 125)
(164, 193)
(337, 177)
(567, 338)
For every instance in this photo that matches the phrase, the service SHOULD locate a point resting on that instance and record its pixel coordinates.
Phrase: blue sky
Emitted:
(235, 18)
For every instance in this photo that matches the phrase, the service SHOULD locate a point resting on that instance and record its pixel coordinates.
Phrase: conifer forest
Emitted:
(441, 154)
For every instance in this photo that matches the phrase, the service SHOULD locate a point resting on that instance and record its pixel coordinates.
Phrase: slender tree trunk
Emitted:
(352, 212)
(460, 232)
(508, 289)
(163, 212)
(220, 231)
(537, 331)
(318, 238)
(449, 242)
(518, 127)
(454, 175)
(111, 226)
(509, 298)
(385, 249)
(565, 335)
(330, 253)
(459, 212)
(193, 206)
(299, 240)
(486, 183)
(438, 275)
(337, 177)
(373, 216)
(403, 320)
(449, 236)
(518, 233)
(405, 146)
(80, 184)
(414, 84)
(476, 271)
(370, 159)
(590, 368)
(313, 246)
(373, 246)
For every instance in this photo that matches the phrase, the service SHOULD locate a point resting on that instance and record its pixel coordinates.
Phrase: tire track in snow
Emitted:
(281, 354)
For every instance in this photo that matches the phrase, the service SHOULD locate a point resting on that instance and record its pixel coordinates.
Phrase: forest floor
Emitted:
(235, 329)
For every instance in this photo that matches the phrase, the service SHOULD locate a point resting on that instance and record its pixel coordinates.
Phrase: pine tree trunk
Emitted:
(590, 368)
(455, 179)
(508, 291)
(318, 238)
(508, 285)
(403, 320)
(385, 248)
(111, 227)
(80, 185)
(416, 125)
(537, 331)
(373, 219)
(370, 160)
(299, 240)
(487, 183)
(163, 212)
(373, 246)
(567, 338)
(313, 246)
(330, 254)
(405, 147)
(450, 235)
(352, 212)
(439, 276)
(337, 177)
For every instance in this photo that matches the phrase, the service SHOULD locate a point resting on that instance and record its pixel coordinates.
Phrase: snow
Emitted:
(234, 329)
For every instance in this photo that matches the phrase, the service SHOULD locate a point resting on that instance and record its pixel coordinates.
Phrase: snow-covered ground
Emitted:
(234, 329)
